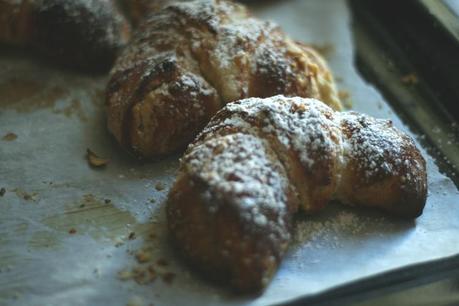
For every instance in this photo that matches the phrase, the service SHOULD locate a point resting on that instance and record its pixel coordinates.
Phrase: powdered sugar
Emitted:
(234, 53)
(312, 129)
(322, 139)
(375, 144)
(259, 194)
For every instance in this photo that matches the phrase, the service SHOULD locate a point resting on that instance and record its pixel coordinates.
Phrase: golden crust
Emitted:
(211, 224)
(232, 54)
(260, 160)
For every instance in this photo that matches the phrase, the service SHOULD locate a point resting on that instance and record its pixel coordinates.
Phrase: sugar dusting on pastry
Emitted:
(233, 53)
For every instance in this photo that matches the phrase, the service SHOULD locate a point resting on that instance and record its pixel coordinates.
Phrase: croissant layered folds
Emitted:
(83, 34)
(261, 160)
(189, 59)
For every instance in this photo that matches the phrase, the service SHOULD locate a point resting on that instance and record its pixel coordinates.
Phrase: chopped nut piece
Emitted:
(131, 236)
(25, 195)
(72, 231)
(94, 160)
(9, 137)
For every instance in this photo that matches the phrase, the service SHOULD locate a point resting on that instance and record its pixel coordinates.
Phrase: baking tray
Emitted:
(74, 235)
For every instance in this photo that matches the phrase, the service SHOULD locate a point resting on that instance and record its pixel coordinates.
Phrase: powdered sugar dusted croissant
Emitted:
(261, 160)
(189, 59)
(85, 34)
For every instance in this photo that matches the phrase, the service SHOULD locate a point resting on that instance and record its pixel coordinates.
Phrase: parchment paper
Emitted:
(66, 230)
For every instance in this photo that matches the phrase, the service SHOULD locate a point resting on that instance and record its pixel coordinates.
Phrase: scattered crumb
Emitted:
(72, 231)
(2, 192)
(152, 200)
(131, 236)
(141, 275)
(82, 205)
(107, 201)
(25, 195)
(160, 186)
(94, 160)
(168, 277)
(125, 275)
(410, 79)
(9, 136)
(143, 256)
(144, 275)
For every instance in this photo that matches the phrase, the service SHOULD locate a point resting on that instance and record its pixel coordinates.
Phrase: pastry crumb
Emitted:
(125, 275)
(143, 256)
(2, 192)
(10, 136)
(94, 160)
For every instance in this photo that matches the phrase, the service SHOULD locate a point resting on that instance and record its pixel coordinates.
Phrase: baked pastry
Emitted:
(84, 34)
(137, 10)
(189, 59)
(261, 160)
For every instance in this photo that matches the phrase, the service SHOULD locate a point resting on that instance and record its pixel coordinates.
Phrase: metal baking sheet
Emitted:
(68, 230)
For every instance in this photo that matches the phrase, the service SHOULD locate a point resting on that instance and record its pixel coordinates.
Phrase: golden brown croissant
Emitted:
(260, 160)
(84, 34)
(189, 59)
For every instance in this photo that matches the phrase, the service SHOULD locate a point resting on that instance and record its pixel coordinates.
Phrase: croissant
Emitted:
(259, 161)
(189, 59)
(83, 34)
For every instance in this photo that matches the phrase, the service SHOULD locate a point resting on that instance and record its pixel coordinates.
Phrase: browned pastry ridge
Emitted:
(137, 10)
(261, 160)
(82, 34)
(189, 59)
